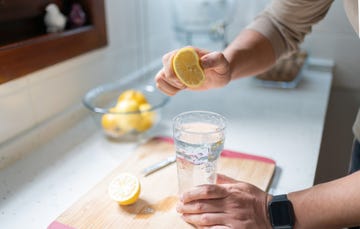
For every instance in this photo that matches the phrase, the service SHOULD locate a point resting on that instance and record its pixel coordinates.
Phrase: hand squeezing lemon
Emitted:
(187, 68)
(132, 113)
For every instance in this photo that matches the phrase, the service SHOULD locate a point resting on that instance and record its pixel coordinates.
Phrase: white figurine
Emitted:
(54, 20)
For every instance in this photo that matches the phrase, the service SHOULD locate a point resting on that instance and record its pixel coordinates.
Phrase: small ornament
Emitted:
(54, 20)
(77, 16)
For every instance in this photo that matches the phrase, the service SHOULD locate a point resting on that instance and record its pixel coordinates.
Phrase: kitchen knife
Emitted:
(155, 167)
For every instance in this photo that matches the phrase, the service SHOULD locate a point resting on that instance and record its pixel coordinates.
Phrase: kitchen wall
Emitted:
(139, 33)
(31, 104)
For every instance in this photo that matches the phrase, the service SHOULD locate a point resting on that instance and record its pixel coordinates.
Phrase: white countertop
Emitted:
(285, 125)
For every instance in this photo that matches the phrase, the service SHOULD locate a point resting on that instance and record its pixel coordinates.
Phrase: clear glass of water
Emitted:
(199, 139)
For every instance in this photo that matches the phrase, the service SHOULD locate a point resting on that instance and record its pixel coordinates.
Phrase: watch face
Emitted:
(281, 213)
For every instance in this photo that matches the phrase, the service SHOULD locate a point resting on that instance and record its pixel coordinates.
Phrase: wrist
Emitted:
(267, 216)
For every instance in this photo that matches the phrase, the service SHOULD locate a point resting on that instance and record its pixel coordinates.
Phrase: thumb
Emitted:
(215, 61)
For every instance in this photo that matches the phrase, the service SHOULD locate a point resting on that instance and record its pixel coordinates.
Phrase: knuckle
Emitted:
(199, 206)
(218, 54)
(243, 185)
(158, 78)
(208, 190)
(204, 219)
(160, 75)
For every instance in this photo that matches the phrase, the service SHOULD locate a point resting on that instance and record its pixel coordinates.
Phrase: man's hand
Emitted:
(215, 65)
(228, 204)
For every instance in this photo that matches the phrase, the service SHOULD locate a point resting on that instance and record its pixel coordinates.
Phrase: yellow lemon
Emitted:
(134, 95)
(126, 106)
(110, 124)
(125, 188)
(127, 120)
(147, 118)
(186, 66)
(131, 113)
(108, 121)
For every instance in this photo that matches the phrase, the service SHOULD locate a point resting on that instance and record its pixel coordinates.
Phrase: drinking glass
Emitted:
(199, 139)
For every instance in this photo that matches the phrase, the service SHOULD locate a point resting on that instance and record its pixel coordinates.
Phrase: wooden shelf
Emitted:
(33, 53)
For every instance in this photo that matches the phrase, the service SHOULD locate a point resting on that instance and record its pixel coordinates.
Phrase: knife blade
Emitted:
(159, 165)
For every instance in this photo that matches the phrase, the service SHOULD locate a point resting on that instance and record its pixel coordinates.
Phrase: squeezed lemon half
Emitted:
(125, 189)
(187, 68)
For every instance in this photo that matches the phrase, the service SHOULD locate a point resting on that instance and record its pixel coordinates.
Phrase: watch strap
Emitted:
(282, 197)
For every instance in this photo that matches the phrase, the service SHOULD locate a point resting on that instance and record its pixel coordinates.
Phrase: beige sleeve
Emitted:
(286, 22)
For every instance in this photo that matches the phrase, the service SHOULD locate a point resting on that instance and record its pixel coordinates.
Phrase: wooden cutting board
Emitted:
(156, 206)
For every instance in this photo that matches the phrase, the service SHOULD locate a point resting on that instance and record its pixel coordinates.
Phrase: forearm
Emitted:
(249, 54)
(335, 204)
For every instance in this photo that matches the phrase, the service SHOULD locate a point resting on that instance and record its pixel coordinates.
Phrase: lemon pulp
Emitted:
(186, 66)
(125, 189)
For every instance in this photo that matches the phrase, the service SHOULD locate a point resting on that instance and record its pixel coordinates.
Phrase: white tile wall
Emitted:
(335, 21)
(159, 29)
(16, 112)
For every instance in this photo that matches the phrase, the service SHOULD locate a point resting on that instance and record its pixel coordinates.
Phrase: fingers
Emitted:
(222, 179)
(200, 52)
(215, 61)
(207, 219)
(165, 85)
(166, 61)
(203, 206)
(204, 192)
(166, 79)
(168, 72)
(216, 67)
(214, 227)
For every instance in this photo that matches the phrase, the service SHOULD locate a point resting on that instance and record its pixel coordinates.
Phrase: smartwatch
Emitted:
(281, 212)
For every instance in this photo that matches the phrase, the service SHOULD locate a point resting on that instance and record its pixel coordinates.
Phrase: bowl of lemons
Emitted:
(126, 111)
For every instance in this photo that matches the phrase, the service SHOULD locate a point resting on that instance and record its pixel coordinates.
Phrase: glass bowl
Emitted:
(126, 111)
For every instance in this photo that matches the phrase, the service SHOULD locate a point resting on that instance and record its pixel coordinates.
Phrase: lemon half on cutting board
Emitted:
(124, 189)
(187, 68)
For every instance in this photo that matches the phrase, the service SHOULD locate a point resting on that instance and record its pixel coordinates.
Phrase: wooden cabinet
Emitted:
(26, 47)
